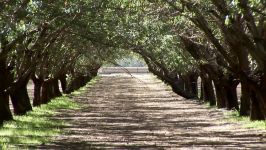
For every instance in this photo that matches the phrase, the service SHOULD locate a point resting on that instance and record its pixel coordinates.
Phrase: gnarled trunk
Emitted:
(220, 95)
(257, 95)
(20, 99)
(74, 84)
(194, 84)
(180, 83)
(47, 91)
(258, 100)
(256, 111)
(231, 102)
(177, 84)
(5, 113)
(191, 83)
(207, 90)
(77, 82)
(226, 95)
(245, 100)
(37, 90)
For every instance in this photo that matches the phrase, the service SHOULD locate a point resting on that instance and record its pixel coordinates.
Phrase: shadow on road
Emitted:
(121, 112)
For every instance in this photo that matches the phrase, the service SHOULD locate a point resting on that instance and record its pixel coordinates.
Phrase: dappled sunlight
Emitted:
(140, 112)
(36, 127)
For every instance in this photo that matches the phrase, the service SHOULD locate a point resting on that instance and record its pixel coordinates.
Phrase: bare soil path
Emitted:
(121, 112)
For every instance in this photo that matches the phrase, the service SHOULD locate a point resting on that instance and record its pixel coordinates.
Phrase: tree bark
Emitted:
(20, 99)
(175, 84)
(231, 102)
(208, 90)
(257, 95)
(186, 83)
(180, 83)
(256, 112)
(37, 91)
(245, 100)
(201, 91)
(47, 91)
(5, 113)
(74, 84)
(194, 84)
(77, 82)
(226, 95)
(56, 91)
(220, 95)
(258, 100)
(162, 73)
(63, 82)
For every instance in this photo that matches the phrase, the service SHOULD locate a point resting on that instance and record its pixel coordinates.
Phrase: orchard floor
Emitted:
(124, 112)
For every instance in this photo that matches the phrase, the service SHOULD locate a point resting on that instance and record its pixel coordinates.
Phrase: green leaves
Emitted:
(227, 20)
(90, 31)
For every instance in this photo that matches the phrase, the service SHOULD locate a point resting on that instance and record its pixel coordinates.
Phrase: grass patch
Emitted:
(245, 121)
(35, 127)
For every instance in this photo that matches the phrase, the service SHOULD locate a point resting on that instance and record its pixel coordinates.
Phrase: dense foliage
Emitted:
(223, 42)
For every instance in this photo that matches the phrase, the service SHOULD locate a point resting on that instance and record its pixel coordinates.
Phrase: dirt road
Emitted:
(122, 112)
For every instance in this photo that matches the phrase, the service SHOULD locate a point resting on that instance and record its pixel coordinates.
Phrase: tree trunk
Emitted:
(187, 83)
(63, 82)
(87, 79)
(190, 84)
(201, 91)
(82, 81)
(258, 100)
(173, 82)
(180, 83)
(208, 90)
(77, 82)
(176, 84)
(231, 102)
(221, 97)
(20, 99)
(194, 84)
(256, 112)
(72, 85)
(5, 113)
(226, 94)
(257, 95)
(263, 93)
(245, 100)
(94, 72)
(37, 91)
(47, 91)
(57, 92)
